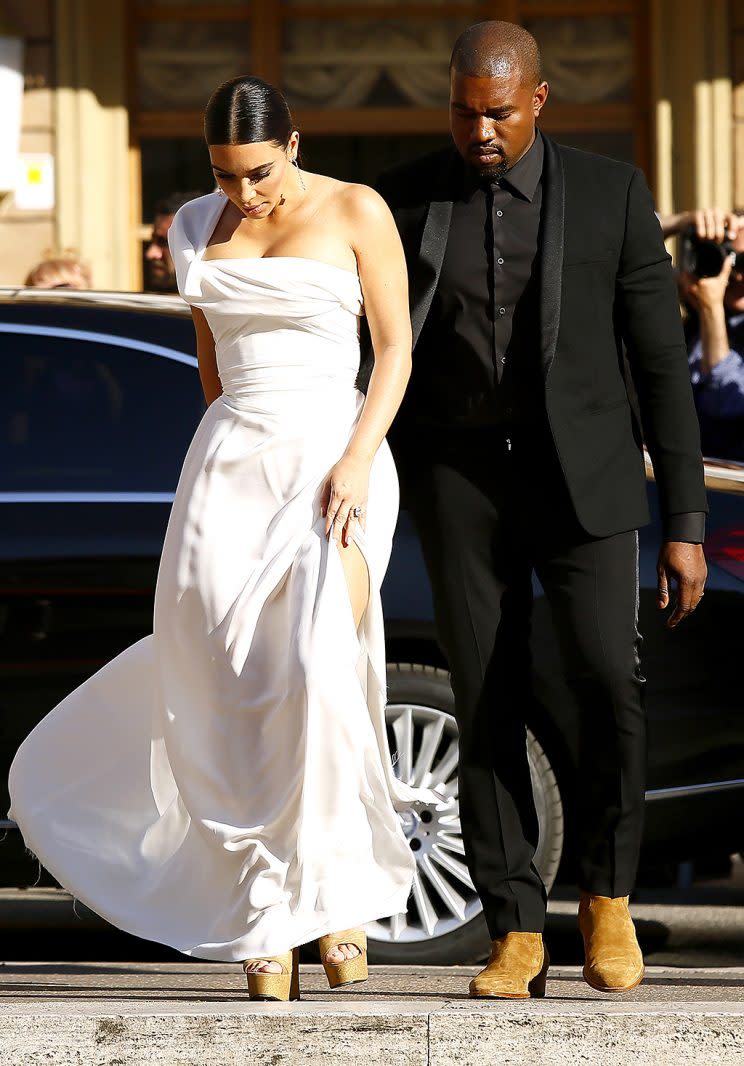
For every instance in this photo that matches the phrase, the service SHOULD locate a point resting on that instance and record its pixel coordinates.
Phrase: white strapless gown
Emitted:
(225, 785)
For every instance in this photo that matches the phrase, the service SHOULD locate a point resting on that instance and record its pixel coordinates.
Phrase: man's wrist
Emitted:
(711, 308)
(687, 527)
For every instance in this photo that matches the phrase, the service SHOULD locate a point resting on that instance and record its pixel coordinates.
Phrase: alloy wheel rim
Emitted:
(424, 745)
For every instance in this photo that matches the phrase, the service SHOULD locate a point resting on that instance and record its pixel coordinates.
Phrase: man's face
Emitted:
(161, 274)
(493, 119)
(734, 298)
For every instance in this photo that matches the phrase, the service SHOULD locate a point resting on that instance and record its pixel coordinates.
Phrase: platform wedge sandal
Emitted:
(275, 986)
(350, 971)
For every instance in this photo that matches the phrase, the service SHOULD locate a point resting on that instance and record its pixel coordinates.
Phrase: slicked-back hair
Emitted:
(247, 110)
(492, 49)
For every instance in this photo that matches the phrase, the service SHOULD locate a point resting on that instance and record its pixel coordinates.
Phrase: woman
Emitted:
(225, 786)
(63, 271)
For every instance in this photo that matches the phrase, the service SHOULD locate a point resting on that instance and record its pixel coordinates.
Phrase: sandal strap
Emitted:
(357, 937)
(281, 959)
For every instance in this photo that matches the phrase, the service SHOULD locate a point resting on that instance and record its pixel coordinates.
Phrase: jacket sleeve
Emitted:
(651, 326)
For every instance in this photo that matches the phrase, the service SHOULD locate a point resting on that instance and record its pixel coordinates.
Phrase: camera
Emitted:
(705, 258)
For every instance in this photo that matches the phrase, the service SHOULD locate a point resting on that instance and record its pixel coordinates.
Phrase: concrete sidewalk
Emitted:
(124, 1014)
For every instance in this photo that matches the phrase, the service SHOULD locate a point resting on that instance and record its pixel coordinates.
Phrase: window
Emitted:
(85, 416)
(373, 70)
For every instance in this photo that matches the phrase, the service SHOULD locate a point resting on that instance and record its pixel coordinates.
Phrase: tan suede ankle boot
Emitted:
(517, 968)
(614, 962)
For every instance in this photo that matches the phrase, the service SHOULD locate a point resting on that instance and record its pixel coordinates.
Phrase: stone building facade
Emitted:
(114, 93)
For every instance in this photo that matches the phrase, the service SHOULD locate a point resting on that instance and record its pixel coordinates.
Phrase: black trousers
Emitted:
(489, 513)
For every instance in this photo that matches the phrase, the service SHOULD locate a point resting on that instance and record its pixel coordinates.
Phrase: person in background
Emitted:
(714, 329)
(160, 274)
(63, 271)
(711, 223)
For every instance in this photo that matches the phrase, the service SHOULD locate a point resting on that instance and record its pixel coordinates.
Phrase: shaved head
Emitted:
(495, 49)
(496, 95)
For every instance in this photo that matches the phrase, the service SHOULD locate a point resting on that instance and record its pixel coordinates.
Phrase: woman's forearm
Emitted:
(387, 386)
(206, 357)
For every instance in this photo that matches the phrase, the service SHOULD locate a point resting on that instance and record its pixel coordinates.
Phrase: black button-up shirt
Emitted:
(483, 326)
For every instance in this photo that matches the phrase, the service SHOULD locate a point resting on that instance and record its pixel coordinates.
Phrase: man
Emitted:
(160, 274)
(714, 331)
(518, 450)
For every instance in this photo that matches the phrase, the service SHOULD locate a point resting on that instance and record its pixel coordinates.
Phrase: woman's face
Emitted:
(253, 176)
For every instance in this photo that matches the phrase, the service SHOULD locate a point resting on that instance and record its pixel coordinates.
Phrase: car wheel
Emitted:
(444, 922)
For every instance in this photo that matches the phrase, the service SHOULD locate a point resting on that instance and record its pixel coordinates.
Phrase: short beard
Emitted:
(161, 283)
(492, 172)
(496, 170)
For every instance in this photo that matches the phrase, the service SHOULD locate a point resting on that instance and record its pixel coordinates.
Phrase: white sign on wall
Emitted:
(34, 187)
(11, 96)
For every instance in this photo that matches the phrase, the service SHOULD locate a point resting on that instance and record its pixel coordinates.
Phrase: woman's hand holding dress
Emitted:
(347, 487)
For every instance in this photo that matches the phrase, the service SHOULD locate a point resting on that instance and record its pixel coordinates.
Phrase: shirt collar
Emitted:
(522, 179)
(524, 176)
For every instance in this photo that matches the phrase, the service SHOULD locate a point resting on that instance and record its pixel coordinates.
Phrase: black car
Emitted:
(100, 399)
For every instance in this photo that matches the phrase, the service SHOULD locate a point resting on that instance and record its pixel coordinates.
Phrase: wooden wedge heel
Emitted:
(350, 971)
(275, 986)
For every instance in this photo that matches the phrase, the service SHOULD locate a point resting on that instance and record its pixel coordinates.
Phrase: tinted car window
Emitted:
(87, 416)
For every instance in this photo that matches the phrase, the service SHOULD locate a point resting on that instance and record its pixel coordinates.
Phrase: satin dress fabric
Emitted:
(225, 785)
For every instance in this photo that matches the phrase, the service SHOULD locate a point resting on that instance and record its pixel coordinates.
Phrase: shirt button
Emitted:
(502, 310)
(503, 359)
(499, 213)
(501, 262)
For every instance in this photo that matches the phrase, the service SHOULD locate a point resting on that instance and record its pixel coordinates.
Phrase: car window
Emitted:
(82, 415)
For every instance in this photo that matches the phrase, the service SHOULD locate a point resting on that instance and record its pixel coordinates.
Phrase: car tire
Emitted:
(426, 693)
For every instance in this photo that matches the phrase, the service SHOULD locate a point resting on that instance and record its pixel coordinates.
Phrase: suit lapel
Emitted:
(551, 267)
(433, 245)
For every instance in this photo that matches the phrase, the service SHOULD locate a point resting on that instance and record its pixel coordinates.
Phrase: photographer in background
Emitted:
(711, 281)
(159, 272)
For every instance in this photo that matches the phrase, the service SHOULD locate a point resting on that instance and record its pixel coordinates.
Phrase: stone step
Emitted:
(120, 1014)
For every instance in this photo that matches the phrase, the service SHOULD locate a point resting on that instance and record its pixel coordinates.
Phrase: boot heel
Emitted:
(277, 986)
(351, 970)
(536, 987)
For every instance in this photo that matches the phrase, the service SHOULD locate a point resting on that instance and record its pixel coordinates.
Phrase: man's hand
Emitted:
(706, 294)
(711, 223)
(684, 564)
(715, 224)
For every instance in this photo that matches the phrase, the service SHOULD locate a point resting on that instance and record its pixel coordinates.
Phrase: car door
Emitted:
(696, 724)
(94, 424)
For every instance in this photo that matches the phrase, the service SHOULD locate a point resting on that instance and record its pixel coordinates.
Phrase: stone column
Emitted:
(92, 137)
(692, 98)
(26, 235)
(737, 27)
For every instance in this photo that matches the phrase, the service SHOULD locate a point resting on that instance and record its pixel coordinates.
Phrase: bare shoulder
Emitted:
(362, 204)
(353, 201)
(357, 215)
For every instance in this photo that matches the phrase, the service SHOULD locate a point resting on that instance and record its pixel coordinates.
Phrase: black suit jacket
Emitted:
(606, 281)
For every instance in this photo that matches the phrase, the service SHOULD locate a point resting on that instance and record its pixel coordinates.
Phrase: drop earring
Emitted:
(299, 174)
